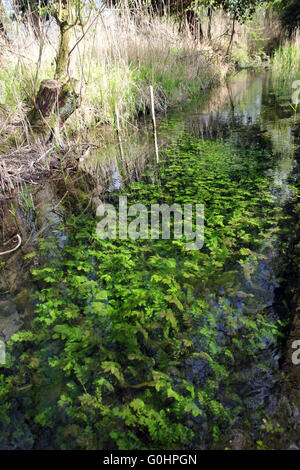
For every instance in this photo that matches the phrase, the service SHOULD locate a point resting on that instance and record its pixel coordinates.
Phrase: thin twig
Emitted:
(65, 195)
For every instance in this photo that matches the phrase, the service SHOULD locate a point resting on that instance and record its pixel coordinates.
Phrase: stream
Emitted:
(219, 344)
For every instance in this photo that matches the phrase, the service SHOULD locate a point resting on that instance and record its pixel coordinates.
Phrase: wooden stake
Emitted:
(154, 122)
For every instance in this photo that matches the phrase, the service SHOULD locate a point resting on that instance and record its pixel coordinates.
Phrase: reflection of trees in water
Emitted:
(248, 112)
(220, 125)
(16, 305)
(108, 168)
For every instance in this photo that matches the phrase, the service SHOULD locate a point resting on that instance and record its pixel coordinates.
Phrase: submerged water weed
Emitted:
(134, 342)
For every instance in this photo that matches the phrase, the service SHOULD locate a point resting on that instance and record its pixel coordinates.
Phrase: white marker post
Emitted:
(2, 353)
(154, 122)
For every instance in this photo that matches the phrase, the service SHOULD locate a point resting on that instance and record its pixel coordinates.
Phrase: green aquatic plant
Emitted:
(27, 198)
(134, 342)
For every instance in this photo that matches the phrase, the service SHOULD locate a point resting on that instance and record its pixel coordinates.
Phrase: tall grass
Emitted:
(115, 63)
(286, 61)
(116, 60)
(122, 57)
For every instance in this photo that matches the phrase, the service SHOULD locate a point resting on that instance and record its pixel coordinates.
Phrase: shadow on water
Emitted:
(245, 113)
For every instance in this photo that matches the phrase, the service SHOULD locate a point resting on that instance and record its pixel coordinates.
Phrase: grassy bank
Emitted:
(114, 65)
(118, 57)
(286, 63)
(113, 61)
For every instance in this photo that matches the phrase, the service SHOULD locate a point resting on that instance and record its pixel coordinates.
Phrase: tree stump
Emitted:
(68, 100)
(54, 104)
(45, 103)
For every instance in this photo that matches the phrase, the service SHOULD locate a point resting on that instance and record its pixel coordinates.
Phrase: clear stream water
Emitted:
(248, 113)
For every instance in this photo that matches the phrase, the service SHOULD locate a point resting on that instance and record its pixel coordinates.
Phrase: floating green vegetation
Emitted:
(119, 323)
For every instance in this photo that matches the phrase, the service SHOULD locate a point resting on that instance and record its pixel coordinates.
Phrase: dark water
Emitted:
(245, 114)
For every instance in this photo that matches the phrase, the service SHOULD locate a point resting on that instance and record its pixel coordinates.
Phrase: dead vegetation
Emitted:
(31, 164)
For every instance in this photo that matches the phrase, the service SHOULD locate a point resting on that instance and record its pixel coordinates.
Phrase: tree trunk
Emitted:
(57, 99)
(34, 19)
(3, 19)
(231, 37)
(201, 35)
(194, 24)
(54, 104)
(62, 59)
(2, 29)
(209, 14)
(45, 103)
